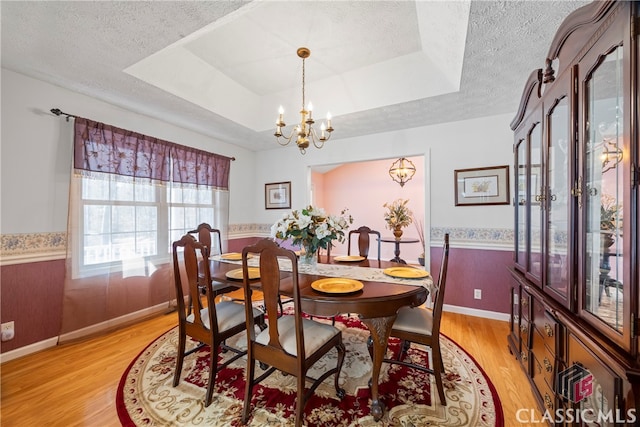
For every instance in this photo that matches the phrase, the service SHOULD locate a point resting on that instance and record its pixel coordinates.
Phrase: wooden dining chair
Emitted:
(364, 241)
(211, 324)
(205, 236)
(421, 325)
(290, 343)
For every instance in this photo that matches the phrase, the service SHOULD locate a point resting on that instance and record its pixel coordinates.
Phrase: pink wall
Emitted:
(363, 188)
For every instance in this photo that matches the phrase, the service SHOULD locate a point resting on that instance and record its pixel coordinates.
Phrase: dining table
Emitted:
(376, 304)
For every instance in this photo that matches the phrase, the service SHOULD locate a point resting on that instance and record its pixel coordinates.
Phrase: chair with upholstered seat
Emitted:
(364, 241)
(421, 325)
(211, 324)
(290, 343)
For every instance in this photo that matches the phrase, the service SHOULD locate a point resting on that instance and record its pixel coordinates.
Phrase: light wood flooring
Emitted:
(75, 384)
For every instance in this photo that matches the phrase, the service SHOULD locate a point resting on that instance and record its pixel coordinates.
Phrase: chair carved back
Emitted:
(271, 284)
(205, 232)
(364, 241)
(193, 252)
(437, 289)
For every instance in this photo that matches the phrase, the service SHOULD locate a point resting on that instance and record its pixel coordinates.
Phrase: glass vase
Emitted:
(309, 257)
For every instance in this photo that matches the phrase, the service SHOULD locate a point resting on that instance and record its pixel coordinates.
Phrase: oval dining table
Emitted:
(376, 305)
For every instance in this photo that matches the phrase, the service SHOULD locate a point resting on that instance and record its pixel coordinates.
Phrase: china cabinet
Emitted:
(574, 295)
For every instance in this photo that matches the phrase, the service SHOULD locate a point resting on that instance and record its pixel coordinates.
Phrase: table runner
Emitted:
(338, 270)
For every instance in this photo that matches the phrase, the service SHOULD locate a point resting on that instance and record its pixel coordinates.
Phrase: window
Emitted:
(134, 195)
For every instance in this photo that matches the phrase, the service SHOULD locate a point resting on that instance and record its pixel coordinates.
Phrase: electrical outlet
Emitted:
(477, 294)
(8, 331)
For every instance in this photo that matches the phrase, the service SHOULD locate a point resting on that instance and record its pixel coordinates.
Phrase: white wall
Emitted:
(36, 153)
(36, 156)
(458, 145)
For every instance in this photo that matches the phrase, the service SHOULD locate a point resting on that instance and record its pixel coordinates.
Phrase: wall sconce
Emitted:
(611, 155)
(402, 170)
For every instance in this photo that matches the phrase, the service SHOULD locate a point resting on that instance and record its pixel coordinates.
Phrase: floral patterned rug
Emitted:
(145, 396)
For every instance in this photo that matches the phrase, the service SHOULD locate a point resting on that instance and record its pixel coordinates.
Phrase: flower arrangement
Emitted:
(398, 215)
(311, 228)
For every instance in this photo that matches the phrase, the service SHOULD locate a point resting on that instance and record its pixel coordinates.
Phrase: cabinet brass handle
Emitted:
(553, 197)
(523, 301)
(523, 327)
(548, 329)
(523, 356)
(547, 401)
(547, 365)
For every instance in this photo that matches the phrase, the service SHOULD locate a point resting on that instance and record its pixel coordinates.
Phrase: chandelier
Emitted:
(402, 170)
(304, 132)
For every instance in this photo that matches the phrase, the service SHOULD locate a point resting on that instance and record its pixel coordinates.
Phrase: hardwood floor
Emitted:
(75, 384)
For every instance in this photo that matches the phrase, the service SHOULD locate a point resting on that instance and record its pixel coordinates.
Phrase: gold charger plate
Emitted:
(337, 285)
(254, 273)
(405, 272)
(349, 258)
(234, 256)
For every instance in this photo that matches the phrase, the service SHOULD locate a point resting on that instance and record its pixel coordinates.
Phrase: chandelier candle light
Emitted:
(304, 132)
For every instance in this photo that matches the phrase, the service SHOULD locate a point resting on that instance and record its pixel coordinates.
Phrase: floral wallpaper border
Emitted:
(33, 243)
(53, 245)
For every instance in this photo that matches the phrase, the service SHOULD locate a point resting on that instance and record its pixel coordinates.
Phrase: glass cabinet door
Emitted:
(558, 198)
(604, 168)
(520, 199)
(535, 204)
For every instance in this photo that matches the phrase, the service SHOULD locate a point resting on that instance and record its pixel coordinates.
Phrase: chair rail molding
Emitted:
(36, 247)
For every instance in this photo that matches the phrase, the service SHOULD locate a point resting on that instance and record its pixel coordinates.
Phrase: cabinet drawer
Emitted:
(525, 334)
(525, 307)
(548, 328)
(544, 367)
(547, 396)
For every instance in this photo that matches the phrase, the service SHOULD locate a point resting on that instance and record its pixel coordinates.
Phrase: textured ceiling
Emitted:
(96, 48)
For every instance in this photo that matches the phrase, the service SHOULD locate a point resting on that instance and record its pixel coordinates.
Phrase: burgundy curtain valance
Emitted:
(99, 147)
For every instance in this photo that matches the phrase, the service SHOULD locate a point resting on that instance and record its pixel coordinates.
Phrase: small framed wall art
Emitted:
(482, 186)
(277, 195)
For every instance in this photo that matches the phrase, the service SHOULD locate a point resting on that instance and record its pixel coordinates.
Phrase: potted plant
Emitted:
(398, 216)
(610, 217)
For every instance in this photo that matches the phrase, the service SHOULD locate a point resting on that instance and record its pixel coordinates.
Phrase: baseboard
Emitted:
(28, 349)
(90, 330)
(114, 323)
(477, 313)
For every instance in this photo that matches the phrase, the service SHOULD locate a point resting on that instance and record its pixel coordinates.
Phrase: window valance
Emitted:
(103, 148)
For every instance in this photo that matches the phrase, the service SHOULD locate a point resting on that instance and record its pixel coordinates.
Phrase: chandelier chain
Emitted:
(303, 78)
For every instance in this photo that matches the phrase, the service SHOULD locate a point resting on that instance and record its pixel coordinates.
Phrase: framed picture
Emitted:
(522, 184)
(482, 186)
(277, 195)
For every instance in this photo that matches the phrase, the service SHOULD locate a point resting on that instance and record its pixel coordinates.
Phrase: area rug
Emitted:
(145, 395)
